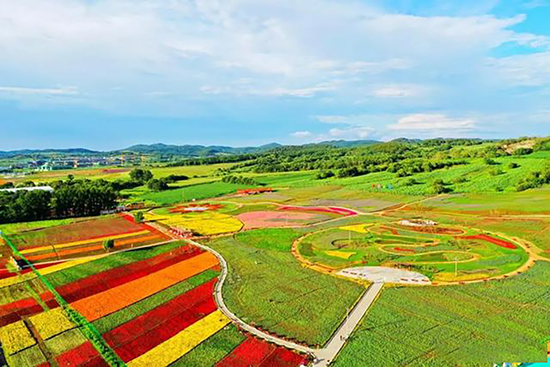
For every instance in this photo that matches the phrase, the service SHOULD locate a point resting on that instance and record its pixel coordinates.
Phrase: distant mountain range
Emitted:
(196, 150)
(186, 151)
(76, 151)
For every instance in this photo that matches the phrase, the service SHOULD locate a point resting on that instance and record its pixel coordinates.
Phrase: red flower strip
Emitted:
(251, 352)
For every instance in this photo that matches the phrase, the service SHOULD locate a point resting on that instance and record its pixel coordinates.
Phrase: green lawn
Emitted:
(185, 194)
(267, 287)
(468, 325)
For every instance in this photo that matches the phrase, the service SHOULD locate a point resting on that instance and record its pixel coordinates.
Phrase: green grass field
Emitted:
(184, 194)
(468, 325)
(267, 287)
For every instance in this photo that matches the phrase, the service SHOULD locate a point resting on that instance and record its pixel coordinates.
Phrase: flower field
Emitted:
(435, 252)
(152, 306)
(318, 209)
(203, 223)
(85, 238)
(270, 219)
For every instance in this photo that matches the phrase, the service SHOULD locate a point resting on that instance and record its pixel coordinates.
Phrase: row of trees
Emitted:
(240, 180)
(71, 198)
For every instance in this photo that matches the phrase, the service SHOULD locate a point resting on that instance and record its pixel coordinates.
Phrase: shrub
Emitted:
(496, 172)
(513, 165)
(410, 182)
(324, 174)
(108, 244)
(489, 161)
(138, 217)
(523, 151)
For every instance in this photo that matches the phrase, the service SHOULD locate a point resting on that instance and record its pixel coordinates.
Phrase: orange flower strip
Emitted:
(97, 247)
(114, 299)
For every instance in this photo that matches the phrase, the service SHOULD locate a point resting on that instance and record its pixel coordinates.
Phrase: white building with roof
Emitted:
(33, 188)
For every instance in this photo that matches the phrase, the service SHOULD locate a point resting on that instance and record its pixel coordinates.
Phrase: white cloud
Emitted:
(20, 91)
(247, 89)
(523, 70)
(425, 122)
(352, 133)
(301, 134)
(332, 119)
(302, 92)
(398, 91)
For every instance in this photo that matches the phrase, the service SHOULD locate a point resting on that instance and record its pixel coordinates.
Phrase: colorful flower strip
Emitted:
(177, 346)
(85, 230)
(87, 328)
(150, 320)
(137, 326)
(81, 356)
(330, 210)
(283, 357)
(33, 250)
(250, 353)
(98, 247)
(104, 303)
(51, 323)
(16, 337)
(165, 331)
(97, 283)
(52, 269)
(255, 352)
(495, 241)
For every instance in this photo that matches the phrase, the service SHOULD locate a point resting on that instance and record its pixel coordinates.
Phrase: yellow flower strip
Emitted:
(16, 337)
(208, 223)
(360, 228)
(51, 323)
(171, 350)
(82, 242)
(340, 254)
(51, 269)
(114, 299)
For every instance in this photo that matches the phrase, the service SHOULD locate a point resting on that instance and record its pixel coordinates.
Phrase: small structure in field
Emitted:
(418, 222)
(33, 188)
(256, 191)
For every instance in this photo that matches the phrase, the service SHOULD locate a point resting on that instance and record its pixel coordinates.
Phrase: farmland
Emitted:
(448, 326)
(127, 289)
(148, 305)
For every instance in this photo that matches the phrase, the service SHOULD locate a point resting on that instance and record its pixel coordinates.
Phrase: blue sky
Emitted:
(108, 74)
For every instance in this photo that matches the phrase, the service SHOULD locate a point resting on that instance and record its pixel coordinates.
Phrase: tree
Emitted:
(138, 217)
(513, 165)
(157, 184)
(108, 244)
(141, 175)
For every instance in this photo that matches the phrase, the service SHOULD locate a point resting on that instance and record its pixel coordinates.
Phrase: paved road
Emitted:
(326, 355)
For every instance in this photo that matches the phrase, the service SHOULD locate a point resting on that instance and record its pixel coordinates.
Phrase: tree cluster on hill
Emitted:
(404, 158)
(535, 179)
